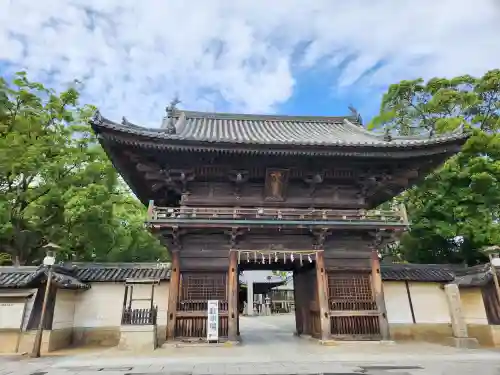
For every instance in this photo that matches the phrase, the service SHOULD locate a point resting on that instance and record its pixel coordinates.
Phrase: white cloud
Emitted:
(135, 55)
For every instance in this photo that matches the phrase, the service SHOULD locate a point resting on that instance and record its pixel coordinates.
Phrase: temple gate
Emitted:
(230, 192)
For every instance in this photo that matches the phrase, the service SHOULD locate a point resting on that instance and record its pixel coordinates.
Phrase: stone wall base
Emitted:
(463, 342)
(96, 336)
(138, 337)
(441, 333)
(437, 333)
(107, 336)
(13, 341)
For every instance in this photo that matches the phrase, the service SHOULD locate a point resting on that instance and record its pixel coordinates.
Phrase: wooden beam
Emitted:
(322, 292)
(173, 295)
(233, 296)
(378, 293)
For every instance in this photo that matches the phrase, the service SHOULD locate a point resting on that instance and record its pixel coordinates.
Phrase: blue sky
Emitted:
(286, 56)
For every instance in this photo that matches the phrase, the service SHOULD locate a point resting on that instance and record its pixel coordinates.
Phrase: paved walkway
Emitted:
(269, 347)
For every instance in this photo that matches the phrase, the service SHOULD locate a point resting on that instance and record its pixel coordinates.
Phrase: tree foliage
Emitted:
(455, 211)
(57, 185)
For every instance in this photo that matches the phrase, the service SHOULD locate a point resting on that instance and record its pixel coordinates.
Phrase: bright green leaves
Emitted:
(57, 185)
(455, 211)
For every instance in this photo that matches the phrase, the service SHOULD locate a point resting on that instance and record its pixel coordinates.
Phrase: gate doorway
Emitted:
(331, 303)
(306, 283)
(349, 302)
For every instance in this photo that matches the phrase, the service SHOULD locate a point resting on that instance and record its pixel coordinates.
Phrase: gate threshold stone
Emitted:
(200, 344)
(333, 342)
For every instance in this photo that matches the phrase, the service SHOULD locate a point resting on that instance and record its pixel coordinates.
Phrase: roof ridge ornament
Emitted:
(356, 114)
(96, 118)
(387, 135)
(171, 110)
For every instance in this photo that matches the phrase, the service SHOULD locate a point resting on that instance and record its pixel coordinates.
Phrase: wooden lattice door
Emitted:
(196, 289)
(353, 310)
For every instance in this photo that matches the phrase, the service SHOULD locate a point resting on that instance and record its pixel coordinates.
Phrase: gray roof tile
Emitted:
(81, 274)
(475, 276)
(417, 272)
(226, 128)
(28, 277)
(120, 273)
(77, 275)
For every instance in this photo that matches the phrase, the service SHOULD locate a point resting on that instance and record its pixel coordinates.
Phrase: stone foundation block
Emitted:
(463, 342)
(138, 337)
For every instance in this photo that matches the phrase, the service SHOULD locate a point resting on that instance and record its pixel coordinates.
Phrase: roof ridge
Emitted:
(249, 116)
(322, 133)
(138, 265)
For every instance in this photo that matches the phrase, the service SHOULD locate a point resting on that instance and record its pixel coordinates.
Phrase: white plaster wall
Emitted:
(11, 312)
(24, 308)
(429, 303)
(397, 302)
(101, 305)
(473, 308)
(64, 309)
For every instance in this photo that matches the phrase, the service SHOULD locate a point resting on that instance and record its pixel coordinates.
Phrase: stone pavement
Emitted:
(268, 348)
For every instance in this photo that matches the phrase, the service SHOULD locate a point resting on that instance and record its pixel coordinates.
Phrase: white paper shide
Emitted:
(213, 320)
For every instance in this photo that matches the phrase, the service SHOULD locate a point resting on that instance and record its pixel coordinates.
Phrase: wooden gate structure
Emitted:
(227, 192)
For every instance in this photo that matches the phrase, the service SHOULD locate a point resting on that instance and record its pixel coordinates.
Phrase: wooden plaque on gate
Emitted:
(276, 184)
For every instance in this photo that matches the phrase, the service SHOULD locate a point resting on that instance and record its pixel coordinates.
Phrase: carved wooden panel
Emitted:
(350, 291)
(276, 184)
(353, 310)
(203, 286)
(196, 288)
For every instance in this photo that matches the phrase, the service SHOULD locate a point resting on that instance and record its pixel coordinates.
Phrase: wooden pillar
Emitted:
(322, 293)
(233, 297)
(173, 295)
(298, 301)
(378, 294)
(238, 304)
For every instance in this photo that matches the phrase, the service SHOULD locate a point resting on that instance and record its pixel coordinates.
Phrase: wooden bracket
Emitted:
(313, 180)
(320, 236)
(234, 234)
(238, 178)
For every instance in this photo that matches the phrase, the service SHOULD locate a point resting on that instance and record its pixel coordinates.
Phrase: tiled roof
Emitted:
(226, 128)
(78, 275)
(20, 277)
(121, 272)
(417, 272)
(81, 274)
(474, 276)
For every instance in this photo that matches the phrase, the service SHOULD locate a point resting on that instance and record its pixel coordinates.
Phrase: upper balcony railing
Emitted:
(275, 216)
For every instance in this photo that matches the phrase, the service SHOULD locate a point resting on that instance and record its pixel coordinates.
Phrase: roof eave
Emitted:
(443, 145)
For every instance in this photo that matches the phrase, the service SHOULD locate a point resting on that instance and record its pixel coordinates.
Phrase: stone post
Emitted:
(249, 295)
(460, 337)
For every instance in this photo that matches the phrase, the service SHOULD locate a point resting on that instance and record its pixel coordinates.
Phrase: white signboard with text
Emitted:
(11, 315)
(213, 320)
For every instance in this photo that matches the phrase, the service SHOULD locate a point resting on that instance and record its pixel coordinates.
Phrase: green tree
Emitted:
(454, 212)
(282, 274)
(57, 185)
